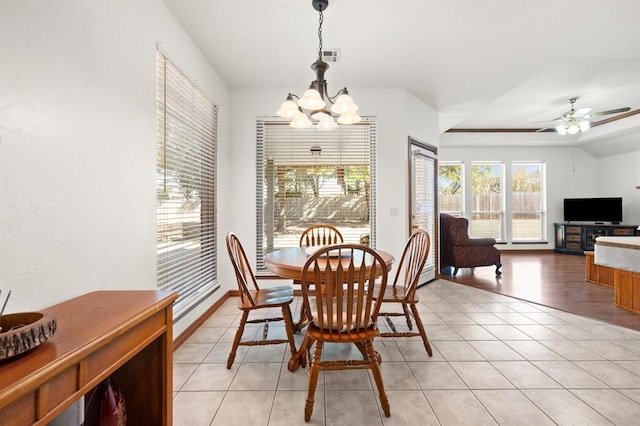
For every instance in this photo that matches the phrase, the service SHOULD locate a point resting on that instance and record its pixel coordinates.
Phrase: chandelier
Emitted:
(314, 103)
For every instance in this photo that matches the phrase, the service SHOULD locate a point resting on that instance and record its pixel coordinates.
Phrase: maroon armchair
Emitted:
(460, 251)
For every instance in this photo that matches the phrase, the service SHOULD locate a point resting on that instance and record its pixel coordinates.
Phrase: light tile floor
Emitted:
(496, 360)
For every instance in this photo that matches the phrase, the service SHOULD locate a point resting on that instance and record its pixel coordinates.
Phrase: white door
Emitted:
(422, 198)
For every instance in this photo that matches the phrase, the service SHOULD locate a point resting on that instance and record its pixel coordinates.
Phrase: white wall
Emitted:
(618, 176)
(571, 172)
(78, 148)
(399, 115)
(78, 144)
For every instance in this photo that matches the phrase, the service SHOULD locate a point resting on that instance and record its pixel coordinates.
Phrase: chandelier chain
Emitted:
(320, 35)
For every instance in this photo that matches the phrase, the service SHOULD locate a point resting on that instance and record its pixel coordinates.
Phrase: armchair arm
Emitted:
(481, 241)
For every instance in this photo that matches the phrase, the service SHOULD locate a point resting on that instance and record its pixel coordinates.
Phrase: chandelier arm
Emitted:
(333, 98)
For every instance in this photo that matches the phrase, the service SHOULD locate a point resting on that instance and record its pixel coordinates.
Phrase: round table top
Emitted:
(289, 262)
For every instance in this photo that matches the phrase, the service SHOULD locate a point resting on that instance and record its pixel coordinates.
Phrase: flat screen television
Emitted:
(593, 210)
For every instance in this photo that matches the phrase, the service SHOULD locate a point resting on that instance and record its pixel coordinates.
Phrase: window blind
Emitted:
(307, 176)
(424, 199)
(185, 188)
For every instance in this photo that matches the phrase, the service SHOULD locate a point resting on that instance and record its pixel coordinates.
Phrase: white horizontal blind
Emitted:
(309, 176)
(186, 187)
(424, 208)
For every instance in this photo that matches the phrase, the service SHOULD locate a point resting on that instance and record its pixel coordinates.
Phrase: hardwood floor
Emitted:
(550, 279)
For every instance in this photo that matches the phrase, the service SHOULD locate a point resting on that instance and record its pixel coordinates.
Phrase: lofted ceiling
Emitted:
(482, 64)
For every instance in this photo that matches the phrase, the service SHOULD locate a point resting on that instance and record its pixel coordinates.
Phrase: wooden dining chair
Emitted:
(403, 290)
(316, 235)
(320, 235)
(340, 303)
(253, 298)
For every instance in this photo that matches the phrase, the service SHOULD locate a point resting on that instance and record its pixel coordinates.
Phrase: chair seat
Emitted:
(318, 333)
(268, 297)
(396, 294)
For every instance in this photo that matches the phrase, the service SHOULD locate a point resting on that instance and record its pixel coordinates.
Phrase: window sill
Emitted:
(529, 242)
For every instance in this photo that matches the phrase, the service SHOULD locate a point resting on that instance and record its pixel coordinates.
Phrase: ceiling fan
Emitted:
(577, 120)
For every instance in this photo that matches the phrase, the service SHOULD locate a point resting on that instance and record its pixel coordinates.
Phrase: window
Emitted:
(528, 201)
(451, 188)
(307, 176)
(186, 188)
(487, 197)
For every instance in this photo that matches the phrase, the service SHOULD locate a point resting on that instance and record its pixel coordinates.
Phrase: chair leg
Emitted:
(313, 381)
(236, 340)
(423, 333)
(377, 376)
(289, 327)
(498, 266)
(455, 270)
(407, 316)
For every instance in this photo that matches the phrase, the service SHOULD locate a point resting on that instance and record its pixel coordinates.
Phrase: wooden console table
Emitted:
(126, 334)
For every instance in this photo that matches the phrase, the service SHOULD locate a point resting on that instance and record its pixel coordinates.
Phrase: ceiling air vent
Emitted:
(331, 55)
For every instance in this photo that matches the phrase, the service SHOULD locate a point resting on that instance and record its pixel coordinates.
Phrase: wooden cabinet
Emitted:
(627, 289)
(598, 274)
(126, 334)
(576, 239)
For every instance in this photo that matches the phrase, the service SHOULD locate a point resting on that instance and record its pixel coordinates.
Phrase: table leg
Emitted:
(302, 321)
(299, 358)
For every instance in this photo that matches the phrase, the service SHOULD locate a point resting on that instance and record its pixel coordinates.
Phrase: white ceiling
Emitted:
(480, 63)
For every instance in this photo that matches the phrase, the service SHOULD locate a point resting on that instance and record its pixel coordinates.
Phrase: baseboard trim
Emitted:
(529, 250)
(188, 332)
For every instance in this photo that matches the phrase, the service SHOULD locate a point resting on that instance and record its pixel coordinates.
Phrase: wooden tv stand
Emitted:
(578, 238)
(126, 334)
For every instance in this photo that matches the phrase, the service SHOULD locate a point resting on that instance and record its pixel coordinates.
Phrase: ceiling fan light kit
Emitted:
(313, 103)
(573, 126)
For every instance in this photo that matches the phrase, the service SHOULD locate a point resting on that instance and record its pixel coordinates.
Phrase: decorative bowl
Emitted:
(24, 331)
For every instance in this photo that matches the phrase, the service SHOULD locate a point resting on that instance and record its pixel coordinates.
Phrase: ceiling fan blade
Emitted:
(547, 121)
(581, 112)
(611, 111)
(546, 128)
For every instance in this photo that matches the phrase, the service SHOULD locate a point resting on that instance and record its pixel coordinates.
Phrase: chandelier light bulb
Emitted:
(327, 123)
(288, 109)
(343, 104)
(311, 100)
(320, 114)
(349, 118)
(573, 129)
(300, 121)
(561, 129)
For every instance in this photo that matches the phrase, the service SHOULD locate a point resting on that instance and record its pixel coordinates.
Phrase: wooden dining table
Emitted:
(289, 263)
